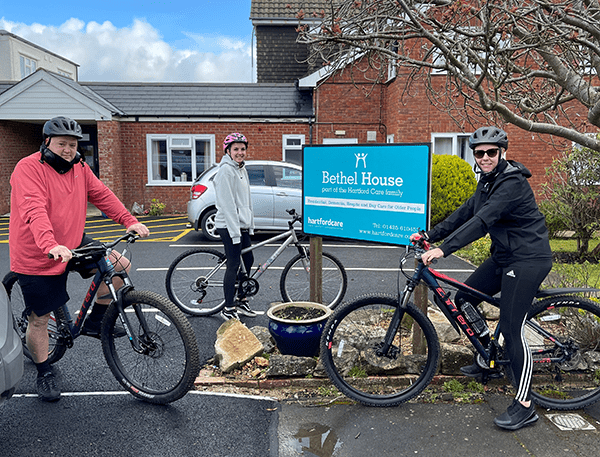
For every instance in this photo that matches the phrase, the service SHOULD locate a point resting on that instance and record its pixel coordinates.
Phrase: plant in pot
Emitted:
(297, 327)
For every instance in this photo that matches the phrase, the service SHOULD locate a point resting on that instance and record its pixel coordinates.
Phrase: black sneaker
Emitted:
(243, 308)
(92, 328)
(516, 416)
(229, 313)
(46, 387)
(475, 371)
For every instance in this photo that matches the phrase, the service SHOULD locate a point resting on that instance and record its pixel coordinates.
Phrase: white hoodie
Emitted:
(233, 199)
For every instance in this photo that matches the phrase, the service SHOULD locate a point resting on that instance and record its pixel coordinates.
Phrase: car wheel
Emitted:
(208, 226)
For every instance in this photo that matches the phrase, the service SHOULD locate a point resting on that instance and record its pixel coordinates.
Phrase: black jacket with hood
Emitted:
(504, 206)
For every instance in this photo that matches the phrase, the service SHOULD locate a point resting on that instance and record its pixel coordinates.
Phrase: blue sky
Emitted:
(202, 41)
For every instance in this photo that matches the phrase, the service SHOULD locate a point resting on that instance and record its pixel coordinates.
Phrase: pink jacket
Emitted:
(49, 209)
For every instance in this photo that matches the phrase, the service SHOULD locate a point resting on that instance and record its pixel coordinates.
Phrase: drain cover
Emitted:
(569, 422)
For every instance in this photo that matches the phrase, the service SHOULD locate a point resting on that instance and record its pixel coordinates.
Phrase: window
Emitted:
(287, 177)
(256, 175)
(28, 66)
(452, 144)
(65, 73)
(175, 159)
(292, 148)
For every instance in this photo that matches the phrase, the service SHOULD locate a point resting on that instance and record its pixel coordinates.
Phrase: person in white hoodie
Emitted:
(234, 221)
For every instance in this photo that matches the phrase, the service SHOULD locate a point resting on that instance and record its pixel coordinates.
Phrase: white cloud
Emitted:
(138, 52)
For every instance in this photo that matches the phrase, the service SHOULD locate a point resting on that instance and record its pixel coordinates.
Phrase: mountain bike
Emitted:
(157, 361)
(194, 281)
(382, 350)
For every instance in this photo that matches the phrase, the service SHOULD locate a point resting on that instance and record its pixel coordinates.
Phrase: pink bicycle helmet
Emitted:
(234, 138)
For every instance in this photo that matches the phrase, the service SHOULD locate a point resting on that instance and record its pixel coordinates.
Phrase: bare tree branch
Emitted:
(533, 63)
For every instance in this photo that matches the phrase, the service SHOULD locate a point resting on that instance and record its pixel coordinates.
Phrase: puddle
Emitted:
(315, 440)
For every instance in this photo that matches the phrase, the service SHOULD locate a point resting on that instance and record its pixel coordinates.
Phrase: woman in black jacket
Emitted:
(504, 206)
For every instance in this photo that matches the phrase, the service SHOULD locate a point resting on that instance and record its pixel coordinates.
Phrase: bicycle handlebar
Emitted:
(129, 237)
(295, 216)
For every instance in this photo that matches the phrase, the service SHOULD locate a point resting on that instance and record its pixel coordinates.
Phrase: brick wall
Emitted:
(17, 140)
(123, 155)
(342, 103)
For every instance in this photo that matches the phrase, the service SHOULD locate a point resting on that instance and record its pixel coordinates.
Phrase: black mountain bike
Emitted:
(157, 361)
(383, 350)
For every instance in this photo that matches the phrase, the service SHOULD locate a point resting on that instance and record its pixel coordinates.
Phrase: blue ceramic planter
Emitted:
(294, 337)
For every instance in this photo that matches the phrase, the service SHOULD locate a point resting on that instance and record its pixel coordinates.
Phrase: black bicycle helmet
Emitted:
(62, 126)
(489, 135)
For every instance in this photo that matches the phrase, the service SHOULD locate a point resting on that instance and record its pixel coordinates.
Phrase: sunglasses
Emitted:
(490, 152)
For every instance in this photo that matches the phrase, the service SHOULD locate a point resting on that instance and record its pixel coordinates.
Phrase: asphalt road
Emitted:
(96, 417)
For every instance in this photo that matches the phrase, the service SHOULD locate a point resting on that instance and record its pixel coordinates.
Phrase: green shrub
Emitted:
(452, 183)
(477, 251)
(554, 221)
(572, 195)
(156, 207)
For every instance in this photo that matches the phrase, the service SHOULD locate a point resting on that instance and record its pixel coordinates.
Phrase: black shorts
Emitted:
(44, 294)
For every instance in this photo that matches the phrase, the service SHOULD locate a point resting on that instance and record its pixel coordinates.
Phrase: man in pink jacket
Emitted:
(50, 192)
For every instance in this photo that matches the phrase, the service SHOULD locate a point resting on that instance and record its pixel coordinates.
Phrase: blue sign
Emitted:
(366, 192)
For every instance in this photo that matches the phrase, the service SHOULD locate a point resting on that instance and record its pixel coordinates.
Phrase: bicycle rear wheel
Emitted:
(353, 335)
(57, 346)
(295, 280)
(193, 285)
(166, 363)
(571, 334)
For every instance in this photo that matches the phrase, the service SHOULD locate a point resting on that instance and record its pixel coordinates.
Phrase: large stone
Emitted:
(290, 366)
(263, 335)
(453, 357)
(235, 345)
(446, 332)
(489, 312)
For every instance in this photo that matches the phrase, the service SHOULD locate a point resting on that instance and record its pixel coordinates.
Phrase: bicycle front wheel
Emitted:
(195, 282)
(162, 361)
(57, 345)
(350, 351)
(565, 342)
(295, 280)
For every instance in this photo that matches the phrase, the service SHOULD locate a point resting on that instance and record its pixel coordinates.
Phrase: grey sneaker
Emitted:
(229, 313)
(243, 308)
(46, 387)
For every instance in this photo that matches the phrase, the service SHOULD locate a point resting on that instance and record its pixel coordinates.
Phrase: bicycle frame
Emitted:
(106, 272)
(260, 269)
(431, 278)
(290, 236)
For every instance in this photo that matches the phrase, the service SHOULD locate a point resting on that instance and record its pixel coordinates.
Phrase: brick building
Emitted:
(142, 138)
(149, 140)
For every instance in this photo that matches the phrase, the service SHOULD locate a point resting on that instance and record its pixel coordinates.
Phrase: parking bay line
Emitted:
(382, 270)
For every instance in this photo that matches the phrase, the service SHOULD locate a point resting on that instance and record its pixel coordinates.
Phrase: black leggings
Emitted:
(519, 283)
(233, 252)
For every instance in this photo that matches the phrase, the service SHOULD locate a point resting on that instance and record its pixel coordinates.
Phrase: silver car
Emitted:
(275, 187)
(11, 350)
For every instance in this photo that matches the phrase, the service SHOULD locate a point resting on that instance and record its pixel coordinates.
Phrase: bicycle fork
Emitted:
(394, 327)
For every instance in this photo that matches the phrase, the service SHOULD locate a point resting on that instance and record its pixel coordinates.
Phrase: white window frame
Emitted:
(455, 139)
(285, 147)
(65, 73)
(186, 142)
(28, 65)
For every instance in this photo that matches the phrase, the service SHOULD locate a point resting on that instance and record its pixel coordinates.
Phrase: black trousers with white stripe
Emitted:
(518, 284)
